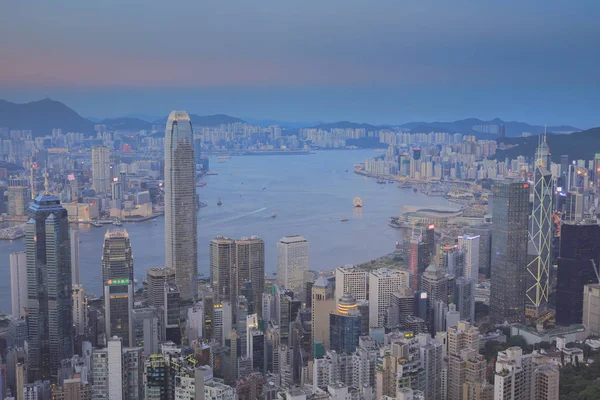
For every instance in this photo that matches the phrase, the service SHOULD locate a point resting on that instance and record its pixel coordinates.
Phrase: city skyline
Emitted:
(405, 61)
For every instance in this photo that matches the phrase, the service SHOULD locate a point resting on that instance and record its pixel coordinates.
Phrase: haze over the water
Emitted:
(377, 61)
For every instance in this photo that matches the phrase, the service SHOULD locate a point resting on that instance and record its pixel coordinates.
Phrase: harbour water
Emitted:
(310, 194)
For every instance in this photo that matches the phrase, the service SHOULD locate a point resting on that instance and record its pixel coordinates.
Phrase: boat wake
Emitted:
(239, 216)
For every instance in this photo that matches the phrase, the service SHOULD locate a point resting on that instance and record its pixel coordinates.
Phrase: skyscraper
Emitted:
(101, 168)
(578, 265)
(17, 200)
(250, 266)
(322, 303)
(49, 319)
(382, 283)
(470, 244)
(540, 235)
(117, 277)
(18, 283)
(349, 279)
(117, 258)
(292, 261)
(222, 268)
(509, 250)
(464, 298)
(75, 270)
(344, 325)
(156, 279)
(181, 231)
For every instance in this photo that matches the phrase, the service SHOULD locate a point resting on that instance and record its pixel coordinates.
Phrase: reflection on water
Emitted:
(311, 194)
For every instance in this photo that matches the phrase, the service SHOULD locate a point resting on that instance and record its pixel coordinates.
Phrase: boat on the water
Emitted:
(96, 224)
(117, 222)
(273, 215)
(358, 202)
(415, 190)
(219, 202)
(344, 220)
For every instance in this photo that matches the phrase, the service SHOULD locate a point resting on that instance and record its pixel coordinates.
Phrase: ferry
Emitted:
(273, 215)
(219, 202)
(358, 202)
(96, 224)
(116, 222)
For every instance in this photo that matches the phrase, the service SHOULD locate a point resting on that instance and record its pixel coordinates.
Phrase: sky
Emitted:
(377, 61)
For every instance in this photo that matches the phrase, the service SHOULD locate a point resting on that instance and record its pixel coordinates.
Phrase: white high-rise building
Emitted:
(350, 279)
(18, 283)
(181, 232)
(471, 246)
(292, 262)
(513, 375)
(382, 283)
(101, 168)
(75, 271)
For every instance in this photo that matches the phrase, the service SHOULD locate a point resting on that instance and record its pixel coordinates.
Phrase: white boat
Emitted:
(273, 215)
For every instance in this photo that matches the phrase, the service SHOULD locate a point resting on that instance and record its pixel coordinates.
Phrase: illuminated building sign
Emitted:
(122, 281)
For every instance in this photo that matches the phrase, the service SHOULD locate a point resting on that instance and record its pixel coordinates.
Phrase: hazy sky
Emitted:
(375, 61)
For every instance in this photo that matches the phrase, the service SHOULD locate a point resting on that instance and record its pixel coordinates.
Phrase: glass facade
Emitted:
(509, 250)
(344, 331)
(181, 232)
(579, 255)
(50, 317)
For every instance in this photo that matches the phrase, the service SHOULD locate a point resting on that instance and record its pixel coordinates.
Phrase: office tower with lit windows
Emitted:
(222, 268)
(578, 265)
(101, 176)
(18, 283)
(117, 257)
(117, 277)
(509, 250)
(292, 262)
(539, 250)
(49, 308)
(181, 231)
(250, 267)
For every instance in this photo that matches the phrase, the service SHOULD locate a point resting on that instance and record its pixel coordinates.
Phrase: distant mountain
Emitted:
(283, 124)
(213, 120)
(42, 116)
(347, 125)
(469, 127)
(578, 146)
(126, 124)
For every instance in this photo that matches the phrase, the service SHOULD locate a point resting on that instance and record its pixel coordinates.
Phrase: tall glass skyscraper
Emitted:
(50, 317)
(181, 244)
(117, 277)
(540, 235)
(578, 265)
(509, 250)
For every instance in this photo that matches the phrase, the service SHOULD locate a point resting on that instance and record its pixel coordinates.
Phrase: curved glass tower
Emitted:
(181, 246)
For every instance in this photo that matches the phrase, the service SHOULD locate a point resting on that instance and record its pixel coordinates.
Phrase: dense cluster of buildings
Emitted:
(405, 330)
